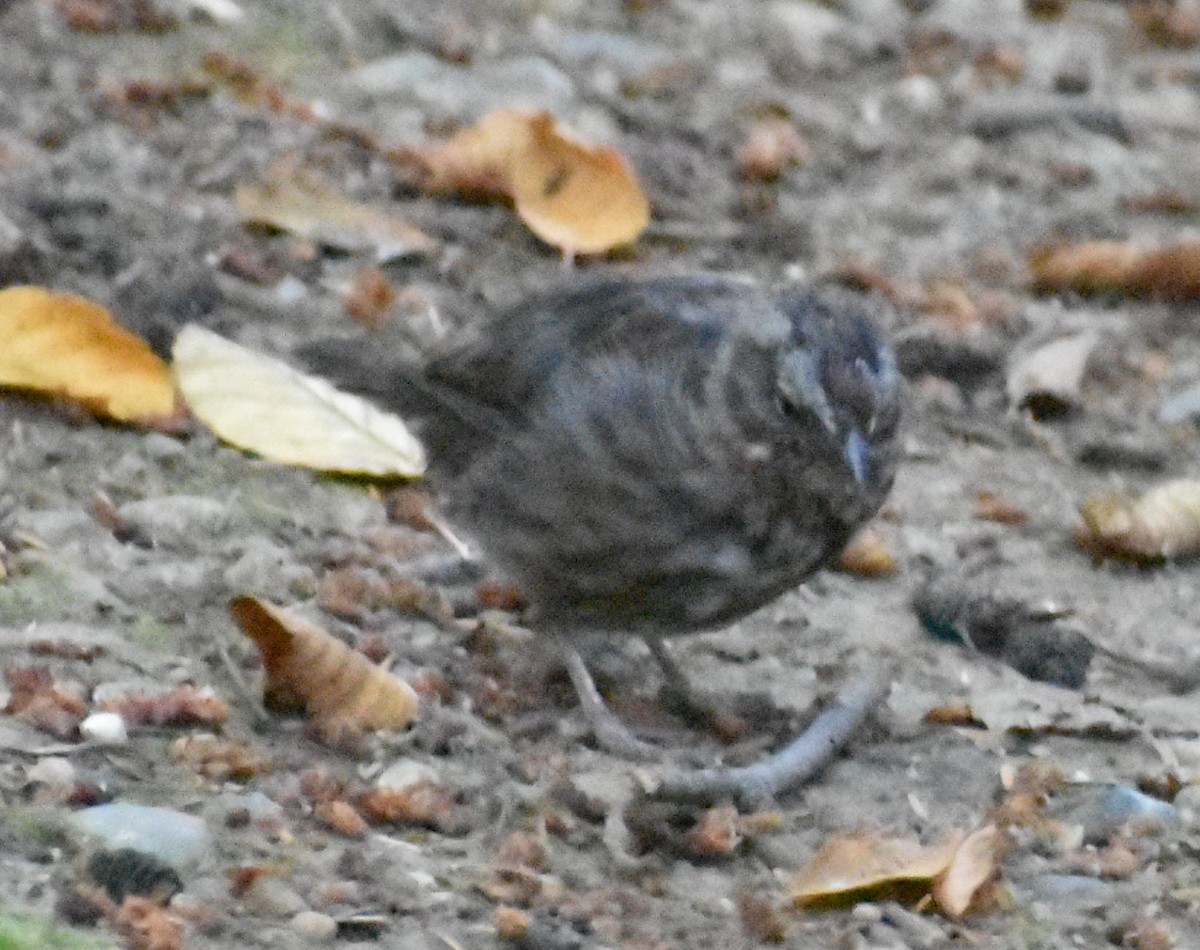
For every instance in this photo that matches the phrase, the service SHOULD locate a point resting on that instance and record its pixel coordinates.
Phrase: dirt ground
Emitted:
(943, 140)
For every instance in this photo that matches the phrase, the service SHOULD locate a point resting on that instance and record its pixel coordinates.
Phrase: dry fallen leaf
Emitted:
(868, 865)
(1173, 25)
(1163, 523)
(37, 698)
(263, 405)
(954, 713)
(297, 204)
(581, 198)
(973, 867)
(989, 506)
(867, 556)
(370, 296)
(1171, 273)
(343, 692)
(220, 759)
(475, 162)
(147, 926)
(65, 345)
(1048, 379)
(341, 817)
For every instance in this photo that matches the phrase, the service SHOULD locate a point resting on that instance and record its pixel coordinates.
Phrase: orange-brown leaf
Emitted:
(1170, 273)
(581, 198)
(342, 691)
(990, 506)
(64, 345)
(475, 162)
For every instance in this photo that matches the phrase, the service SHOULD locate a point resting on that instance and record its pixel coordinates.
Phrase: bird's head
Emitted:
(837, 380)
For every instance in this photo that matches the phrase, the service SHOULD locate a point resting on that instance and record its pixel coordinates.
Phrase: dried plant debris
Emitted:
(293, 201)
(36, 698)
(869, 865)
(1162, 524)
(1093, 267)
(581, 198)
(1046, 381)
(343, 692)
(1033, 641)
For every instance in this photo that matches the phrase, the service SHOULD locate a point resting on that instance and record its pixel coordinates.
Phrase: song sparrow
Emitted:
(656, 456)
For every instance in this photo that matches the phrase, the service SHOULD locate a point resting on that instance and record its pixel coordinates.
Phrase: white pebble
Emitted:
(104, 728)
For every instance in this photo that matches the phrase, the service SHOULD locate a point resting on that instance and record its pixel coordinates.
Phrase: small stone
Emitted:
(172, 836)
(406, 773)
(271, 897)
(866, 914)
(1075, 890)
(178, 520)
(104, 728)
(1182, 407)
(315, 927)
(54, 772)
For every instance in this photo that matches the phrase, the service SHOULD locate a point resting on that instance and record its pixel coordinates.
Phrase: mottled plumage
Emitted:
(655, 457)
(667, 455)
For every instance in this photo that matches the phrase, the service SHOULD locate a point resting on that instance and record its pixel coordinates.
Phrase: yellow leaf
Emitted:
(578, 197)
(263, 405)
(581, 198)
(974, 865)
(867, 865)
(65, 345)
(343, 692)
(297, 204)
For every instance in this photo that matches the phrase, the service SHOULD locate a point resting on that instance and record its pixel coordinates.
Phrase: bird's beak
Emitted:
(855, 453)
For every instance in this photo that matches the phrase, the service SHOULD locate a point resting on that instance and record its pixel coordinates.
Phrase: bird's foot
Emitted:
(796, 762)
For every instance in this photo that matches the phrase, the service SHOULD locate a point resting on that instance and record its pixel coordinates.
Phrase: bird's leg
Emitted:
(678, 695)
(676, 690)
(612, 734)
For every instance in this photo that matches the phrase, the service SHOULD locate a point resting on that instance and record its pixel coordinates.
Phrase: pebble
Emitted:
(627, 55)
(406, 773)
(521, 82)
(806, 27)
(1106, 809)
(178, 520)
(172, 836)
(272, 897)
(1074, 889)
(315, 927)
(1180, 408)
(55, 774)
(866, 914)
(264, 568)
(163, 448)
(104, 728)
(1187, 803)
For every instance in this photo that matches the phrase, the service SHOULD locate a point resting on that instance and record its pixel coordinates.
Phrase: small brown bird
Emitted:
(657, 456)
